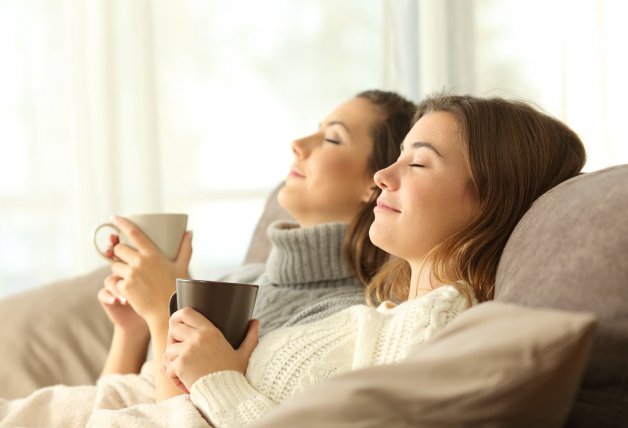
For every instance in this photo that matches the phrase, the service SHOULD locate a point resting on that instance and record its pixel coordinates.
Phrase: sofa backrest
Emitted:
(570, 251)
(259, 246)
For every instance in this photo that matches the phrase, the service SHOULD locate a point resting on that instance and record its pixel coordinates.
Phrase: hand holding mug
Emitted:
(197, 348)
(142, 274)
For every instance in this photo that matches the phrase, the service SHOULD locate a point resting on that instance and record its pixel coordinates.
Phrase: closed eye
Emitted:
(417, 165)
(329, 140)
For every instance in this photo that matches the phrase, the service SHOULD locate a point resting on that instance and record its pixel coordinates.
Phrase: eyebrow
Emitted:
(336, 122)
(419, 144)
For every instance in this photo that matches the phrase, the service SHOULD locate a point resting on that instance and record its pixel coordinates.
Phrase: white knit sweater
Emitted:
(293, 359)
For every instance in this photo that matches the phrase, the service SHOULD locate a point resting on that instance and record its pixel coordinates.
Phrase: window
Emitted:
(112, 106)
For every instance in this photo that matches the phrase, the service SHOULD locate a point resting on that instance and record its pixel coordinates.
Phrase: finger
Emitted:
(173, 351)
(111, 285)
(181, 386)
(251, 339)
(136, 237)
(109, 253)
(185, 250)
(191, 318)
(179, 332)
(105, 297)
(172, 373)
(121, 270)
(127, 254)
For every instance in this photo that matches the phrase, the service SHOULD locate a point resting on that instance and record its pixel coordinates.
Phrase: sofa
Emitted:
(550, 350)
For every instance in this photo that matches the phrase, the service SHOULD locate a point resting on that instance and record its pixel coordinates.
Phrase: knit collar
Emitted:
(306, 255)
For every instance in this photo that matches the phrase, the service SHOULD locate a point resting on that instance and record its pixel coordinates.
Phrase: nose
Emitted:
(386, 178)
(301, 147)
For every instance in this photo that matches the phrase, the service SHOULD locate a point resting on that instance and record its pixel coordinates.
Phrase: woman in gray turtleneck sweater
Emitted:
(318, 264)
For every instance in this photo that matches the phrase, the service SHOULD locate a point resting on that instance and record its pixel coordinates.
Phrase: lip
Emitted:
(382, 205)
(295, 173)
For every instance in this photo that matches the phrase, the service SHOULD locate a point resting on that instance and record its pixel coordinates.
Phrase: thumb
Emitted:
(185, 250)
(251, 340)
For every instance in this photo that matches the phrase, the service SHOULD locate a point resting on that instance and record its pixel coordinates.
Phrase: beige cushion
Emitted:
(58, 333)
(53, 334)
(496, 365)
(259, 247)
(570, 251)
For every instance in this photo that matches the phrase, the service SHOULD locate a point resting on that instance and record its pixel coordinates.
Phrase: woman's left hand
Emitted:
(197, 348)
(144, 275)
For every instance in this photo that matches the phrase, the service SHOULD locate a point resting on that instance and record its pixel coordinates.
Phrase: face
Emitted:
(329, 180)
(427, 194)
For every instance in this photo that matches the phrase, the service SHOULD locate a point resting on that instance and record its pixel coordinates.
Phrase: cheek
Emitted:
(334, 164)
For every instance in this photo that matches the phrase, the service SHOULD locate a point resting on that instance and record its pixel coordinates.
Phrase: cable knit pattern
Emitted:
(306, 280)
(293, 359)
(306, 276)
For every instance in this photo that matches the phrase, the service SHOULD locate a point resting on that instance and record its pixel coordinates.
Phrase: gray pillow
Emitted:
(570, 251)
(496, 365)
(53, 334)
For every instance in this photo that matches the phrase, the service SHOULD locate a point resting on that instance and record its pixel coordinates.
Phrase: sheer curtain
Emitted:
(116, 106)
(568, 57)
(78, 131)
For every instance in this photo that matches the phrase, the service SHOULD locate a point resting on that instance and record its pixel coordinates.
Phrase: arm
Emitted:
(126, 354)
(227, 398)
(145, 279)
(129, 343)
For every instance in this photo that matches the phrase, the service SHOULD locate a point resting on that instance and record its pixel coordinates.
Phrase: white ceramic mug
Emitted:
(165, 230)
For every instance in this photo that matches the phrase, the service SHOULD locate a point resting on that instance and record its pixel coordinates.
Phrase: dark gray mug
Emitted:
(229, 306)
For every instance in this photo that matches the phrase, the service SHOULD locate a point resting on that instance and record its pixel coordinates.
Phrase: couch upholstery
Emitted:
(58, 333)
(495, 365)
(569, 252)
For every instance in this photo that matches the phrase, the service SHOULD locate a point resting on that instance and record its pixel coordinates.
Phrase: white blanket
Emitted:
(101, 405)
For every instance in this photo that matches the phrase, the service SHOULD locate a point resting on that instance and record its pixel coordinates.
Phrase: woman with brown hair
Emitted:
(468, 170)
(318, 265)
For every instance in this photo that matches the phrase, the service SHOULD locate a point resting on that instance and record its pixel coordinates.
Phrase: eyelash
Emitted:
(329, 140)
(416, 165)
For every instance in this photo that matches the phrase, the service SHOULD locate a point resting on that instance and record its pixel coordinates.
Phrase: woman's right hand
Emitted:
(119, 311)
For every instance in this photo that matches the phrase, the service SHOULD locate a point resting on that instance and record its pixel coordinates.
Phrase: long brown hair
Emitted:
(387, 135)
(514, 154)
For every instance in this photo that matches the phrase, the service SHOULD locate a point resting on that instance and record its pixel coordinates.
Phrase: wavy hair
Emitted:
(514, 153)
(387, 134)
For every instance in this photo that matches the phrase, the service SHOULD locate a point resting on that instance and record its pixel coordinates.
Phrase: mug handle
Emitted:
(172, 305)
(101, 252)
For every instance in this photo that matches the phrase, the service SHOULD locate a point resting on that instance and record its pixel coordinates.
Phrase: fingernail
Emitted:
(123, 300)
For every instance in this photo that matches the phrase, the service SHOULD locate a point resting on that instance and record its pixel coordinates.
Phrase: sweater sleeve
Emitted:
(227, 399)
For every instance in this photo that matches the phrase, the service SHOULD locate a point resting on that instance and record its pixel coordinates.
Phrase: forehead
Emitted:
(357, 113)
(440, 129)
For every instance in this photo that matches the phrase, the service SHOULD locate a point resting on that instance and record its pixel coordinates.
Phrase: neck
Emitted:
(420, 279)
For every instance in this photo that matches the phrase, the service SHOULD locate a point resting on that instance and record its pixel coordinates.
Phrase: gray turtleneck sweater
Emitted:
(306, 277)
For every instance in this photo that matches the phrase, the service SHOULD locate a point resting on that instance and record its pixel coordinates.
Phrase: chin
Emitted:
(375, 235)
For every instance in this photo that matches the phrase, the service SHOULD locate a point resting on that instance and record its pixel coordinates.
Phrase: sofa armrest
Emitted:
(53, 334)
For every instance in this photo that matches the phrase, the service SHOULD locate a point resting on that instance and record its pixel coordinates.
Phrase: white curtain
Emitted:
(118, 106)
(78, 134)
(568, 57)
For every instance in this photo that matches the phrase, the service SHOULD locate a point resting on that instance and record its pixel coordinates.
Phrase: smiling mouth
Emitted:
(383, 206)
(295, 173)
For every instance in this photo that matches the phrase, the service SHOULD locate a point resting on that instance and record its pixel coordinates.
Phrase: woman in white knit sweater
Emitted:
(318, 264)
(468, 171)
